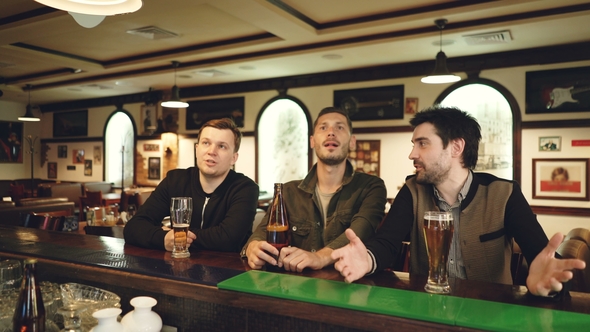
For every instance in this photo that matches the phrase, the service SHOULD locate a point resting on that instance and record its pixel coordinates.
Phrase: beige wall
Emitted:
(395, 147)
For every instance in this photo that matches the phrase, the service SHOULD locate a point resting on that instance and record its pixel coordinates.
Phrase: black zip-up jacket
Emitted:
(228, 213)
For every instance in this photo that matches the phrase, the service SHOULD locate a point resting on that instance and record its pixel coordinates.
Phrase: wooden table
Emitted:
(188, 297)
(111, 198)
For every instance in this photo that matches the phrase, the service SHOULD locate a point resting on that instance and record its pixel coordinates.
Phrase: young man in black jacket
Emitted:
(224, 202)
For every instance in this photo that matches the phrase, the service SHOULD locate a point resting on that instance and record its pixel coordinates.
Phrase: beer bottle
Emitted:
(29, 314)
(277, 230)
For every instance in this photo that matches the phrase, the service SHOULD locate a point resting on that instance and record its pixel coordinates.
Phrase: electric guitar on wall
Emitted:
(555, 97)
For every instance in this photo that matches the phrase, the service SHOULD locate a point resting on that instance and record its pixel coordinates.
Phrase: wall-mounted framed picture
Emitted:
(380, 103)
(411, 105)
(154, 168)
(62, 151)
(97, 155)
(70, 124)
(151, 147)
(11, 142)
(200, 111)
(149, 114)
(52, 170)
(561, 179)
(558, 90)
(77, 156)
(550, 143)
(365, 156)
(88, 167)
(170, 119)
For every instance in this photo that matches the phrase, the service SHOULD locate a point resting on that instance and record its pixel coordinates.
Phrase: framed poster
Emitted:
(380, 103)
(62, 151)
(154, 168)
(77, 156)
(70, 124)
(11, 142)
(52, 170)
(561, 179)
(88, 167)
(149, 114)
(97, 155)
(365, 156)
(411, 105)
(200, 111)
(558, 90)
(170, 119)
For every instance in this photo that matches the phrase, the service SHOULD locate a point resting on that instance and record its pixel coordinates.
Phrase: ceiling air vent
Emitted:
(152, 32)
(211, 72)
(489, 38)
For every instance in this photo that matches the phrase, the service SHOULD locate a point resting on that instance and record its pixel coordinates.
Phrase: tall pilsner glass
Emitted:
(438, 232)
(181, 211)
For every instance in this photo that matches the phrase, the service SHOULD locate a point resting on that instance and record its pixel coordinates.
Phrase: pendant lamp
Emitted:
(29, 113)
(175, 101)
(89, 13)
(441, 73)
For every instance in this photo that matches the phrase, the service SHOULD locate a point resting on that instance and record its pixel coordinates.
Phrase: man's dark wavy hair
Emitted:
(452, 123)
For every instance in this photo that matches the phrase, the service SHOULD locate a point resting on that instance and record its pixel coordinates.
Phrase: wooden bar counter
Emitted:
(188, 297)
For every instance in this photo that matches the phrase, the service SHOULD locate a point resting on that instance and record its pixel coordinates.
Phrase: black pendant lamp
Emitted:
(175, 101)
(29, 113)
(441, 73)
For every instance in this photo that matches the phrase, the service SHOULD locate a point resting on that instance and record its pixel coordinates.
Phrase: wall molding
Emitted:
(561, 211)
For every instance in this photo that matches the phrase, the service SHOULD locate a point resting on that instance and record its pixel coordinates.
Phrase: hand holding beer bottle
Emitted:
(277, 230)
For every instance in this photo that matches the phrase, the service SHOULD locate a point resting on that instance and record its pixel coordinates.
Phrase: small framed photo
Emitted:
(52, 170)
(411, 105)
(149, 114)
(62, 151)
(561, 179)
(77, 156)
(88, 167)
(154, 168)
(550, 143)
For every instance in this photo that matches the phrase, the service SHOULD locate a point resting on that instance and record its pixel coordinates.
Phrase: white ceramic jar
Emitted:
(107, 320)
(142, 318)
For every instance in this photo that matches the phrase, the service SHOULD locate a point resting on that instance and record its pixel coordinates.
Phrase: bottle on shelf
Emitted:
(277, 229)
(29, 314)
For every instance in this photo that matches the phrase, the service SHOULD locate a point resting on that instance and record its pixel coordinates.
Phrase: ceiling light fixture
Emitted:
(29, 113)
(441, 73)
(89, 13)
(175, 101)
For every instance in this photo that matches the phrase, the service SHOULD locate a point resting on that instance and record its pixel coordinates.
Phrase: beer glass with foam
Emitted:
(181, 211)
(438, 233)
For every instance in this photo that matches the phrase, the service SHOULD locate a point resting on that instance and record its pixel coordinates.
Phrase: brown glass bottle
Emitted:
(29, 314)
(277, 229)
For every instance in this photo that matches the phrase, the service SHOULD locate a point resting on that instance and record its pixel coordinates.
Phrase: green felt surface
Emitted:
(442, 309)
(388, 301)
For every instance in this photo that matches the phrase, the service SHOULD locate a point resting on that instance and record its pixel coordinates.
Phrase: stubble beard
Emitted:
(335, 159)
(437, 175)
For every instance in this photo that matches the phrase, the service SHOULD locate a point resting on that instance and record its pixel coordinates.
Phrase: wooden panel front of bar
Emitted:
(189, 299)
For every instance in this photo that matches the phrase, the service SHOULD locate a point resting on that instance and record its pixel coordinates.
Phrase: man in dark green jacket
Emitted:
(331, 198)
(224, 202)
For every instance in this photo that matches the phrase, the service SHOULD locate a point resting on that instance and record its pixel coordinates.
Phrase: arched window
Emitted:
(282, 142)
(119, 147)
(498, 115)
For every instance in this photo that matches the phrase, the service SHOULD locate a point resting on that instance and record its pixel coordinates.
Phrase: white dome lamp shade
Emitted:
(29, 117)
(89, 13)
(441, 73)
(174, 101)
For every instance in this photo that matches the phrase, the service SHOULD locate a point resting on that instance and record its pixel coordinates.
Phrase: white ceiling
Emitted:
(243, 40)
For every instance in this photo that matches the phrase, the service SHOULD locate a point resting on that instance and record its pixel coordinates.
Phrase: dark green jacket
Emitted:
(359, 205)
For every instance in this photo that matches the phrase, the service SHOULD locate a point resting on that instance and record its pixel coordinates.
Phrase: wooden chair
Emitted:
(92, 198)
(17, 192)
(577, 249)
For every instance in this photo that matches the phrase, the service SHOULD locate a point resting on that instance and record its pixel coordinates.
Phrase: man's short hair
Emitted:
(226, 123)
(452, 123)
(329, 110)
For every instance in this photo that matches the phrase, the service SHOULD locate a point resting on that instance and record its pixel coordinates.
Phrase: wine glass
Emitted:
(71, 314)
